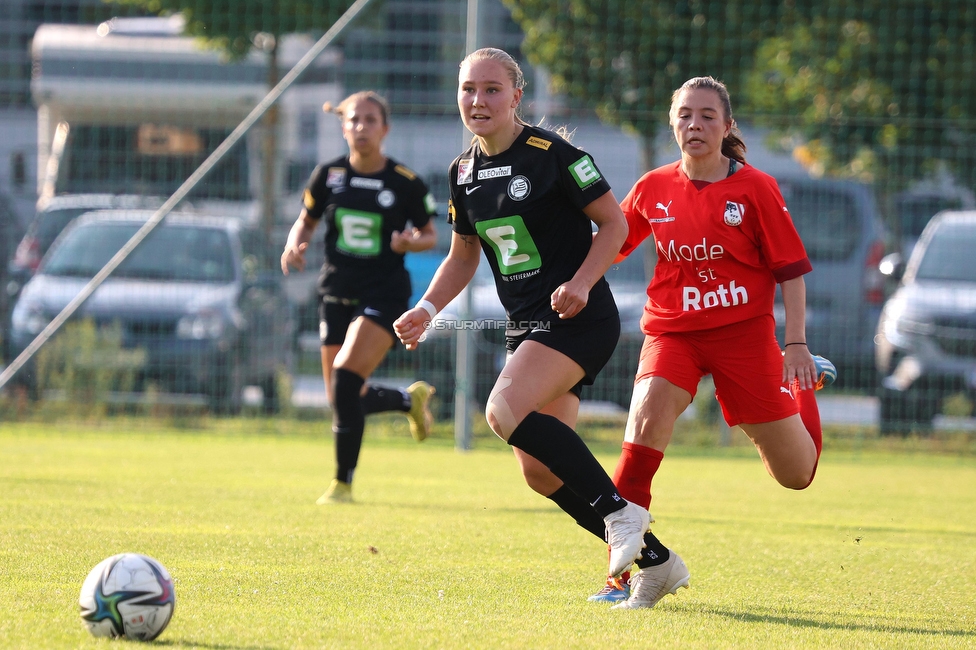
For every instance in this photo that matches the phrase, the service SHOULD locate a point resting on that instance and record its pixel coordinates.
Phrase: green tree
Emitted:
(238, 26)
(624, 59)
(883, 90)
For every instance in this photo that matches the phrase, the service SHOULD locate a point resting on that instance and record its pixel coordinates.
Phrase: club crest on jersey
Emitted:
(386, 198)
(519, 188)
(336, 177)
(465, 171)
(734, 213)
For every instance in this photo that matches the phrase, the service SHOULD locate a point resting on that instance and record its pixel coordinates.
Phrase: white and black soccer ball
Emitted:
(127, 595)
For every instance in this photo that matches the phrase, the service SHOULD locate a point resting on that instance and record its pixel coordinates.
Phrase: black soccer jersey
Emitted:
(361, 212)
(526, 204)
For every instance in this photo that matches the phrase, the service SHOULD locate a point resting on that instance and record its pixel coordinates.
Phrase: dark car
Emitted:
(191, 296)
(11, 231)
(926, 337)
(845, 239)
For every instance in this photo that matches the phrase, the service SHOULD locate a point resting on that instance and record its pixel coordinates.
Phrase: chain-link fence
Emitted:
(865, 112)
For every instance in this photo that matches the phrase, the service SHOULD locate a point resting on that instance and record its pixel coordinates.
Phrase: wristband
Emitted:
(428, 307)
(794, 343)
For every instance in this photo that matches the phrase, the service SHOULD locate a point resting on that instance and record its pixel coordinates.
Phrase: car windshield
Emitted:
(171, 253)
(826, 220)
(49, 224)
(915, 212)
(949, 254)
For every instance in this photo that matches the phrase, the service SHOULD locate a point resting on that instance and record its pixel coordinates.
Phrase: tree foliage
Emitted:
(625, 59)
(876, 89)
(872, 89)
(230, 25)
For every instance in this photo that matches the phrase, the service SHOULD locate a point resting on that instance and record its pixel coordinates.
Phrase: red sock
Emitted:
(635, 469)
(806, 400)
(810, 415)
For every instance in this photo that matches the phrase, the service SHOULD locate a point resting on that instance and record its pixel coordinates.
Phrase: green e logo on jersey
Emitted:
(584, 172)
(512, 243)
(359, 232)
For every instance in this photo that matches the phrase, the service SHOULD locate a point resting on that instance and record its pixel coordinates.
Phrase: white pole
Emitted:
(464, 366)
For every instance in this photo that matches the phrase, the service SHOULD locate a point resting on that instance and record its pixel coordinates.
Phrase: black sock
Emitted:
(381, 398)
(560, 449)
(654, 553)
(579, 510)
(348, 421)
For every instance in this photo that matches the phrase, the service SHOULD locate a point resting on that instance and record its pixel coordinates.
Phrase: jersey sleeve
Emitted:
(422, 205)
(639, 228)
(316, 195)
(579, 175)
(779, 240)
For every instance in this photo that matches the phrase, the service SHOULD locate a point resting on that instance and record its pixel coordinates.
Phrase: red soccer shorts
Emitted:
(745, 362)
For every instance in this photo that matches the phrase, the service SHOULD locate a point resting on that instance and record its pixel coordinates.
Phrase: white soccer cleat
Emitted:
(625, 536)
(648, 586)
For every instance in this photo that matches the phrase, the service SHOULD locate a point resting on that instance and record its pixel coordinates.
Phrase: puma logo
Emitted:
(661, 206)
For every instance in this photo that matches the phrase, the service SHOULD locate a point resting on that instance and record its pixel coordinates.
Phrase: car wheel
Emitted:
(270, 388)
(905, 412)
(227, 387)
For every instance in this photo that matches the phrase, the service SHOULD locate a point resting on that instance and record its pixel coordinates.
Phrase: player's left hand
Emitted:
(569, 298)
(402, 241)
(798, 364)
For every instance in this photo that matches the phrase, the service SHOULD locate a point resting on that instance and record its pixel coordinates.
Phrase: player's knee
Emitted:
(498, 413)
(799, 480)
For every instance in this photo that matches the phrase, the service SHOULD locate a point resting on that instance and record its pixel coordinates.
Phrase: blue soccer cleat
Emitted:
(616, 590)
(826, 372)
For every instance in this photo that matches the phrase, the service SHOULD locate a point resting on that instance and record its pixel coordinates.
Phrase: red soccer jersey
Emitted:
(720, 250)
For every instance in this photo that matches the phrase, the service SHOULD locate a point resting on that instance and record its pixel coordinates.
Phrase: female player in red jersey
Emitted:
(366, 201)
(527, 198)
(724, 240)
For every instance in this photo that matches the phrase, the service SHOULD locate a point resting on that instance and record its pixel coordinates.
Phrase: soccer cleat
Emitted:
(826, 372)
(648, 586)
(616, 590)
(625, 536)
(419, 414)
(338, 492)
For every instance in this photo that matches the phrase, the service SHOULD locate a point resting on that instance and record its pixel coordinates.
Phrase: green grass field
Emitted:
(450, 550)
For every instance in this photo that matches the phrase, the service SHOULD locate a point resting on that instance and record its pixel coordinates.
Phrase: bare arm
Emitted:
(797, 361)
(454, 273)
(414, 240)
(570, 297)
(297, 243)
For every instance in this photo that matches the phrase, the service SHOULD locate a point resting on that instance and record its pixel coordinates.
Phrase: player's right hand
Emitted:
(411, 327)
(294, 256)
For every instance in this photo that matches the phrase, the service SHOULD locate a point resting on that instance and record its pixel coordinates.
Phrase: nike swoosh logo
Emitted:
(468, 190)
(593, 505)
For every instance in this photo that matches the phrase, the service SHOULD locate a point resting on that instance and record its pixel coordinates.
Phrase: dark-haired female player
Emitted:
(724, 240)
(367, 201)
(528, 198)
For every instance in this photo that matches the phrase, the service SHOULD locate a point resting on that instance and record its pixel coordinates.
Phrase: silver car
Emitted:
(926, 337)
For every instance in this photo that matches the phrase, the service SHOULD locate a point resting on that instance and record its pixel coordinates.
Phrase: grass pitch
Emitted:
(451, 550)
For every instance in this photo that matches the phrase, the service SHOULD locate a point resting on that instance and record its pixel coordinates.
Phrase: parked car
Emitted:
(926, 338)
(11, 231)
(913, 209)
(51, 217)
(192, 296)
(845, 239)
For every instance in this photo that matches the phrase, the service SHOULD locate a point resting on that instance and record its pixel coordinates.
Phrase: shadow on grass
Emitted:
(187, 643)
(797, 621)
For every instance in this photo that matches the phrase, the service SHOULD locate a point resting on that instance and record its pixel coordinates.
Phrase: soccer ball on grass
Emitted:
(128, 595)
